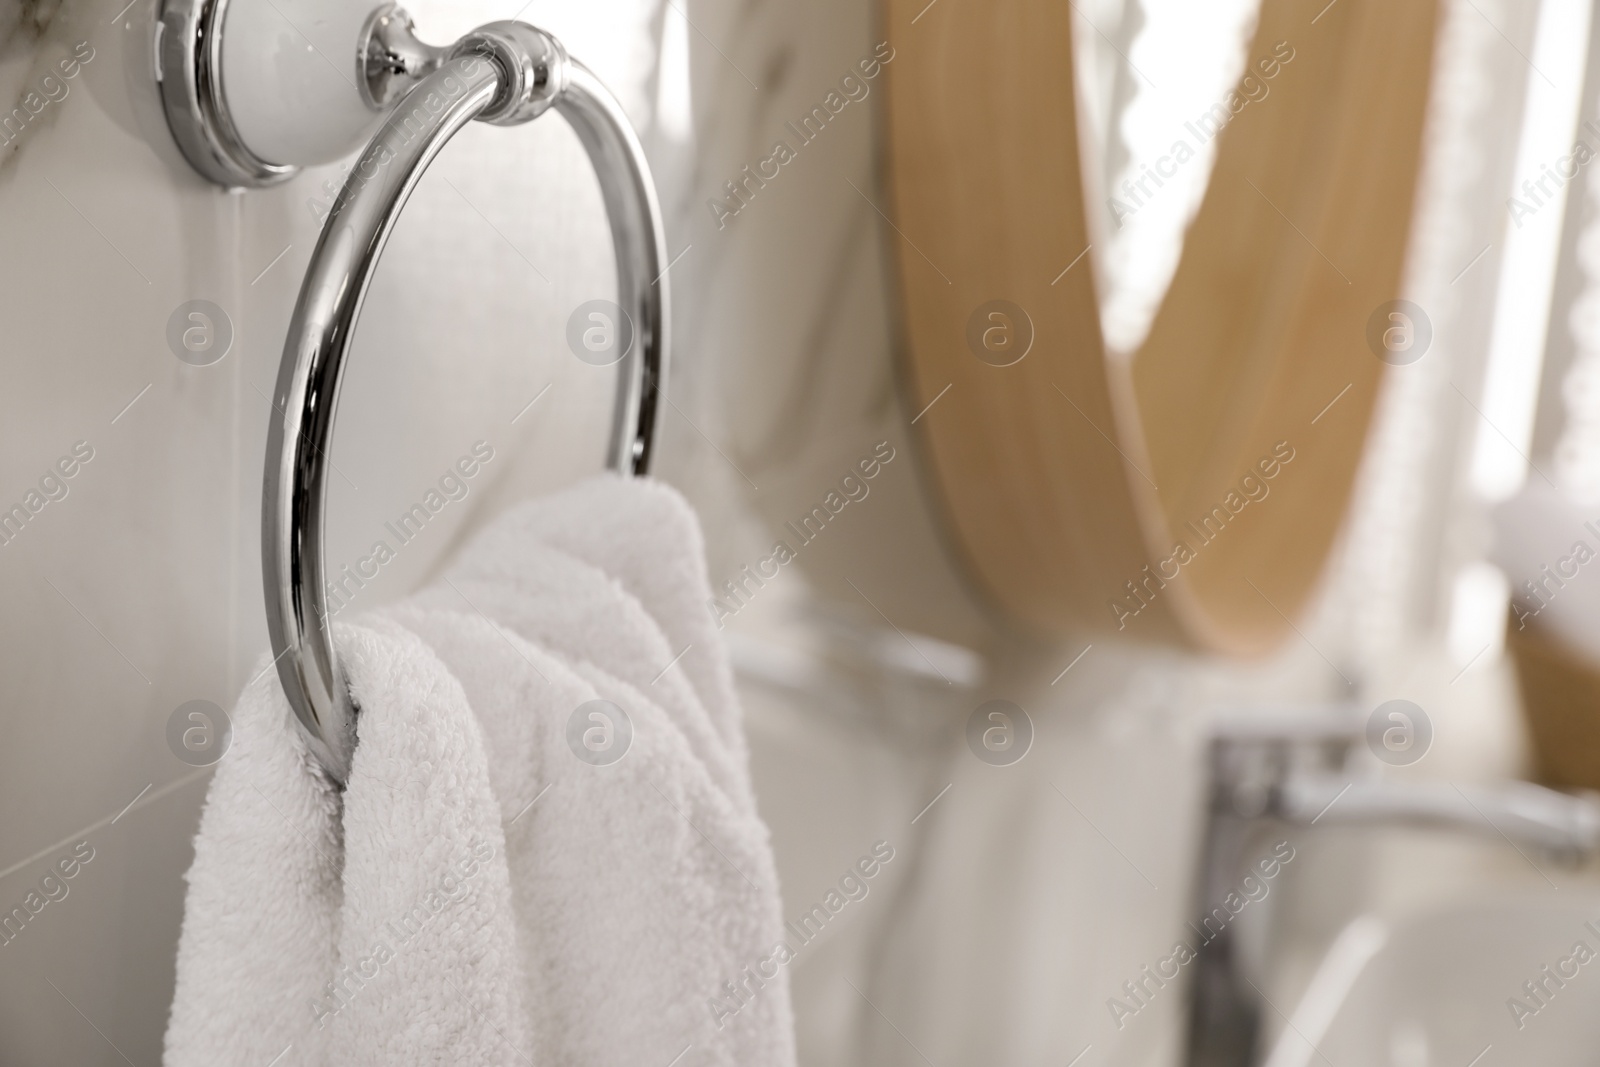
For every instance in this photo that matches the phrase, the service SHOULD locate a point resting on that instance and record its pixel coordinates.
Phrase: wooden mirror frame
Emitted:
(1188, 494)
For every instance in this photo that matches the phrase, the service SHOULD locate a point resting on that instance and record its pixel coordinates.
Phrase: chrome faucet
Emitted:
(1310, 774)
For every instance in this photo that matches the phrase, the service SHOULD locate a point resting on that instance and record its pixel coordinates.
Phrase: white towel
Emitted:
(1544, 543)
(482, 895)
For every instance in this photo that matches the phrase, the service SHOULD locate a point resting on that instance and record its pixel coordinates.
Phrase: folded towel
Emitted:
(1543, 542)
(514, 874)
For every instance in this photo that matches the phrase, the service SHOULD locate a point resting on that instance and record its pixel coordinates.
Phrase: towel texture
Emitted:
(515, 874)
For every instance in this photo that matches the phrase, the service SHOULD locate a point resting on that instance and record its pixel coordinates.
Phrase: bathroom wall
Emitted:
(1019, 896)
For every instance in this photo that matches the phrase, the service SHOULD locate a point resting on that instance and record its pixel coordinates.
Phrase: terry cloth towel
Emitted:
(516, 874)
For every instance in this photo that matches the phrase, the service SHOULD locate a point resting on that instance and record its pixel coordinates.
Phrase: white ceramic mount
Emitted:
(255, 89)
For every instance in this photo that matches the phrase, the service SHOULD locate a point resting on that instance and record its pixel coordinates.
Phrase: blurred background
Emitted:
(1405, 741)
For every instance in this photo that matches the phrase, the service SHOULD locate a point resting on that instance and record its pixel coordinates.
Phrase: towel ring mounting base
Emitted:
(250, 106)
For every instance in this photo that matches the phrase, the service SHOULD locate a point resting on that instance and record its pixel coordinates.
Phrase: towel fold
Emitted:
(548, 851)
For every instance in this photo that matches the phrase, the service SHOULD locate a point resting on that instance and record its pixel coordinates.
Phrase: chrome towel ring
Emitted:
(504, 73)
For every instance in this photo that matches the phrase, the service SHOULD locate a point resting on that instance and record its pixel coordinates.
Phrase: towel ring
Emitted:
(503, 73)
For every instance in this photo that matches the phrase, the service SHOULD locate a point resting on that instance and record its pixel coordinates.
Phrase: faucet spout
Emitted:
(1525, 814)
(1296, 773)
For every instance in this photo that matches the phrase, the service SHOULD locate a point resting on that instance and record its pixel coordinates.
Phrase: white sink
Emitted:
(1437, 989)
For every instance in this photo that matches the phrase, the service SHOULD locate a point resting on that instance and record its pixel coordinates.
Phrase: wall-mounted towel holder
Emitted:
(503, 73)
